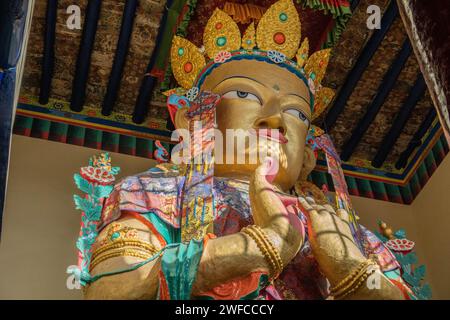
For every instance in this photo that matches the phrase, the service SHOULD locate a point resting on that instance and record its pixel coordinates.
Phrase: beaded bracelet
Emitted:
(124, 243)
(120, 253)
(266, 247)
(353, 282)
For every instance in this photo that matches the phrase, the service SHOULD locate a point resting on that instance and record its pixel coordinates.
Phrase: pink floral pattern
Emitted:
(222, 56)
(97, 175)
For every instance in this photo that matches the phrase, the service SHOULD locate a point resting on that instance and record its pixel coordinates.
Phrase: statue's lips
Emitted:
(270, 134)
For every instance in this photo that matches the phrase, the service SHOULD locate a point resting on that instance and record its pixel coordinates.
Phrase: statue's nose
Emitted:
(274, 121)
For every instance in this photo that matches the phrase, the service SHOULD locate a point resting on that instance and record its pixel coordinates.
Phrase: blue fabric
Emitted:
(179, 265)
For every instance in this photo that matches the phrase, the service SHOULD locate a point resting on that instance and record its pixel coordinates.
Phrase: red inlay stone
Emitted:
(219, 25)
(279, 38)
(188, 67)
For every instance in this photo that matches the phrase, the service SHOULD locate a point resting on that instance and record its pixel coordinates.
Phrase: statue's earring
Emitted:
(181, 119)
(309, 163)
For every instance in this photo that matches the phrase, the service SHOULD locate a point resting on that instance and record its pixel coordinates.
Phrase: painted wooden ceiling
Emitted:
(382, 119)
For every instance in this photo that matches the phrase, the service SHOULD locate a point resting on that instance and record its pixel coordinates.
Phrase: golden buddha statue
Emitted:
(246, 237)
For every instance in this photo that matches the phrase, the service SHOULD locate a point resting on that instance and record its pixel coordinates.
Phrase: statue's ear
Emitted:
(309, 163)
(180, 119)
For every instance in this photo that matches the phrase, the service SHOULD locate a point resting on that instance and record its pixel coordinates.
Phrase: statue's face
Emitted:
(259, 95)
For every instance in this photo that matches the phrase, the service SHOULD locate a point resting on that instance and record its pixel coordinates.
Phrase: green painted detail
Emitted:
(283, 17)
(221, 41)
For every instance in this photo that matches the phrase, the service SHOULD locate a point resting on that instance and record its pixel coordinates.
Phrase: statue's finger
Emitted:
(308, 210)
(329, 208)
(310, 200)
(305, 204)
(343, 214)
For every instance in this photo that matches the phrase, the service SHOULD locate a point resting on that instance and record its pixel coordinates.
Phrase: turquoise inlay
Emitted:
(249, 41)
(179, 265)
(115, 235)
(180, 51)
(221, 41)
(283, 17)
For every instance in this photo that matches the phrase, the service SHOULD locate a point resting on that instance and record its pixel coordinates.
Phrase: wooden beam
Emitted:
(84, 55)
(48, 60)
(416, 93)
(428, 27)
(360, 66)
(149, 81)
(389, 80)
(123, 45)
(416, 140)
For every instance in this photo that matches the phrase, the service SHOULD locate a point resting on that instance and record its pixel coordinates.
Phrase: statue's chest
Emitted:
(232, 204)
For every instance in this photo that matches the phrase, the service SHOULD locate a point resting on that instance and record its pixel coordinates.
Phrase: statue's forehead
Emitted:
(270, 75)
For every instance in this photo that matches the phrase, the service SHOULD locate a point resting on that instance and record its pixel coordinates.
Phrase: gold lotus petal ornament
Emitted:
(280, 29)
(249, 38)
(323, 98)
(303, 53)
(221, 34)
(316, 66)
(187, 61)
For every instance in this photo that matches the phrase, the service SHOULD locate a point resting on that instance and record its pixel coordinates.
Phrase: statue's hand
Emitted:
(274, 212)
(331, 240)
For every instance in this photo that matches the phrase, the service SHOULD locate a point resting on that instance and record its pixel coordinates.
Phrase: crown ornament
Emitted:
(276, 39)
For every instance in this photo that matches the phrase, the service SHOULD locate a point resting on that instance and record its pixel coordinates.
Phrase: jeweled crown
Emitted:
(276, 39)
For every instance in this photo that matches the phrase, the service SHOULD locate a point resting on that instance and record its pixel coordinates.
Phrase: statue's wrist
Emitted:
(338, 273)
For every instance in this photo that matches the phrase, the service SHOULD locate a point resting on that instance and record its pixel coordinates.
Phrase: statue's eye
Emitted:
(299, 115)
(236, 94)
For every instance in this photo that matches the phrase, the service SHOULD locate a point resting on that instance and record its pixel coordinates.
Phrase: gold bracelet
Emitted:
(274, 251)
(356, 279)
(362, 279)
(263, 248)
(124, 243)
(350, 277)
(120, 253)
(266, 247)
(353, 281)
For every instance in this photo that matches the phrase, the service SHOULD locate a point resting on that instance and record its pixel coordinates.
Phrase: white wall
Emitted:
(40, 224)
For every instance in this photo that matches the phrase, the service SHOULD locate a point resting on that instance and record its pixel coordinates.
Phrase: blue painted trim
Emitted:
(383, 174)
(93, 120)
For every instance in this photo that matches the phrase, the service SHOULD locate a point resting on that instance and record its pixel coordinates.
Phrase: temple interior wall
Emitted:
(40, 224)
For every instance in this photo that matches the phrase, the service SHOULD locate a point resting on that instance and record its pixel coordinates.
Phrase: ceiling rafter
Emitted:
(48, 60)
(360, 66)
(84, 55)
(415, 94)
(123, 45)
(389, 80)
(416, 140)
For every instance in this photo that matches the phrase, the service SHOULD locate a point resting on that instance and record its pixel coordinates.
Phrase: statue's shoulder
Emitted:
(155, 190)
